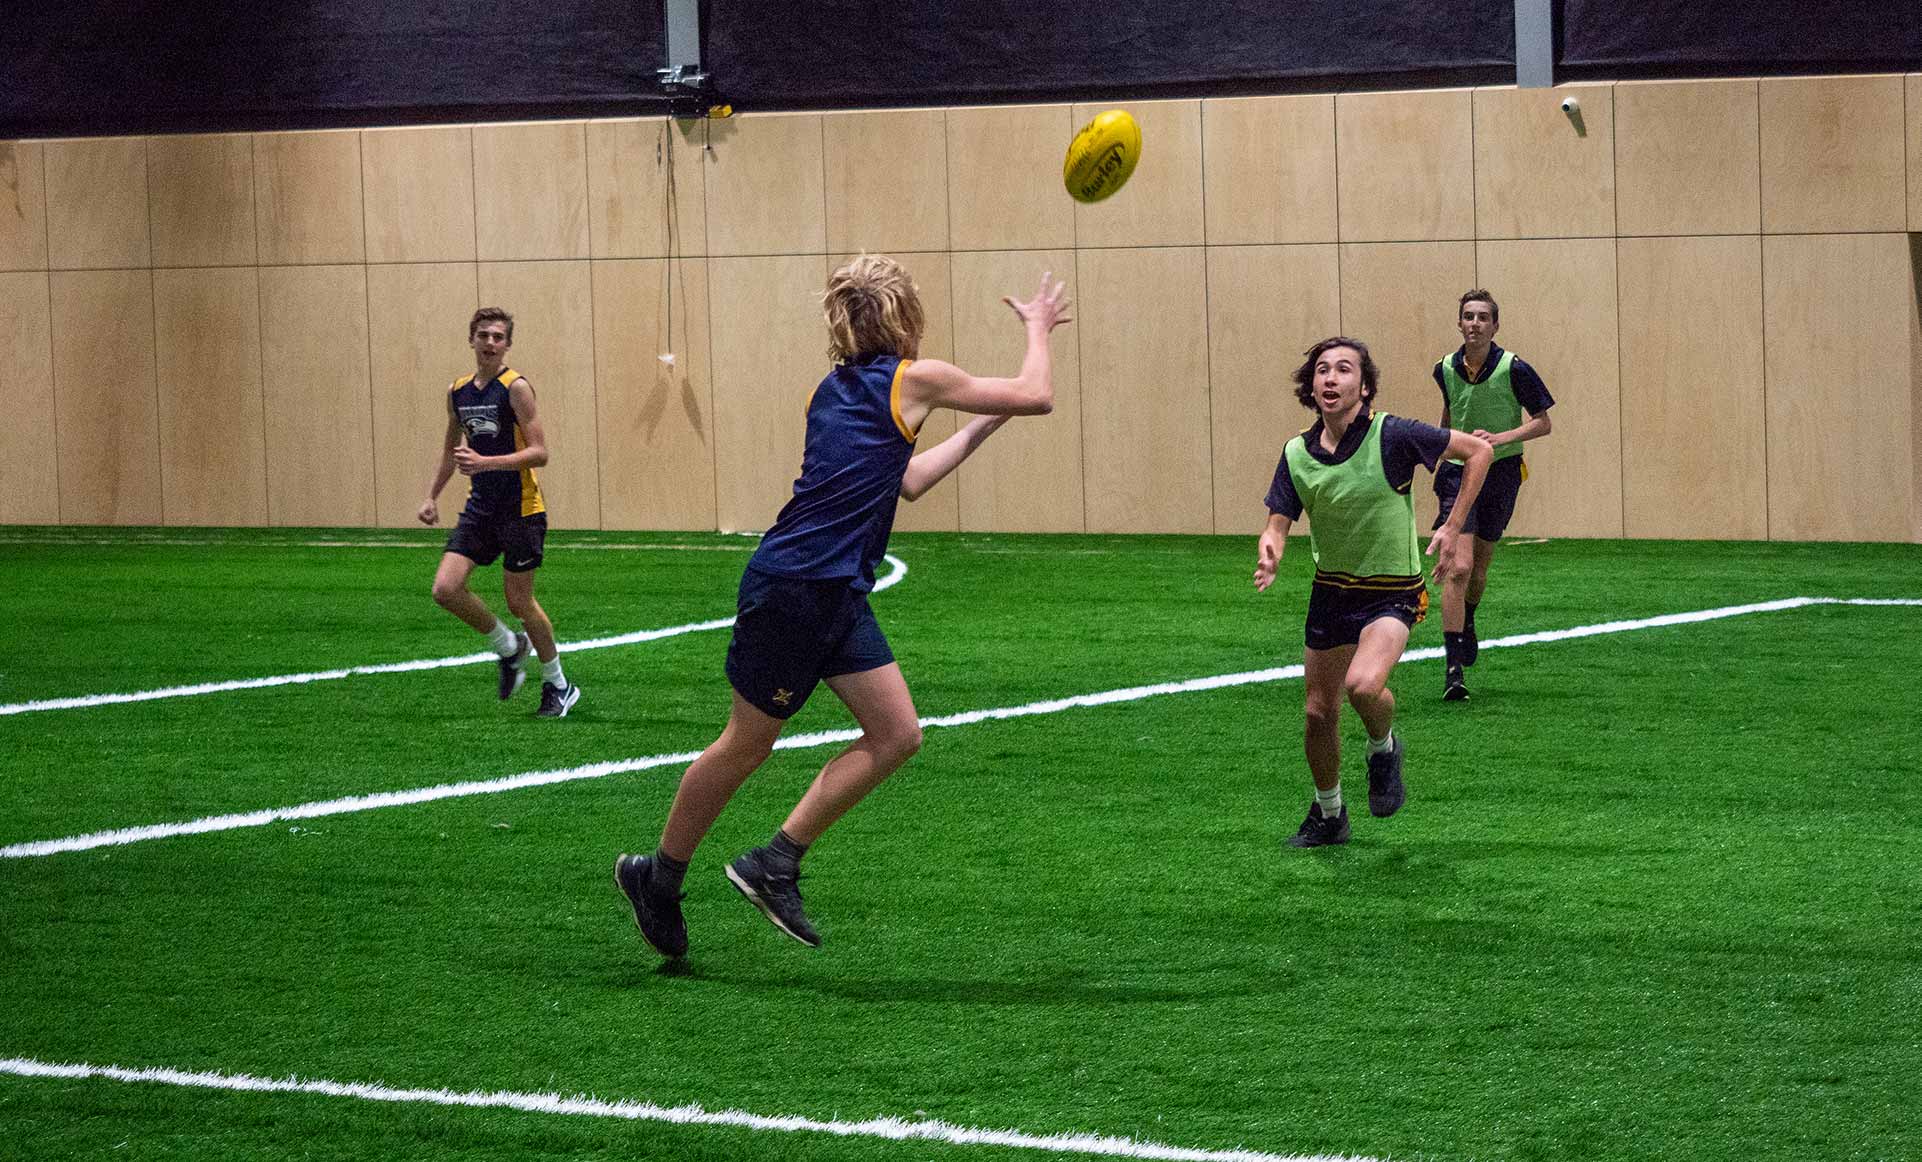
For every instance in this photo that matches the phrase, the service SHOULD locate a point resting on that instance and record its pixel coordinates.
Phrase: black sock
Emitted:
(668, 872)
(1468, 623)
(1454, 647)
(785, 849)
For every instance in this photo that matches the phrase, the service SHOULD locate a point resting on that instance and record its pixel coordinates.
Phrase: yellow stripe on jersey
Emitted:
(894, 403)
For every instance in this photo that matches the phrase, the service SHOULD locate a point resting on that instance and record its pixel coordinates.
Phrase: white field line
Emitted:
(889, 1129)
(354, 803)
(86, 701)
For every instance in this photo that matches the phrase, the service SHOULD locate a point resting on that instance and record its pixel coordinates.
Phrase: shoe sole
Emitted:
(568, 699)
(621, 887)
(753, 897)
(1379, 812)
(1455, 694)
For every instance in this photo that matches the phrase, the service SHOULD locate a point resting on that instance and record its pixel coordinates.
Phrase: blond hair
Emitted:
(872, 308)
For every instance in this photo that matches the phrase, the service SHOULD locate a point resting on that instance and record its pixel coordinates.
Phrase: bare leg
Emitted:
(519, 589)
(1477, 582)
(1382, 642)
(890, 735)
(451, 593)
(1324, 671)
(714, 777)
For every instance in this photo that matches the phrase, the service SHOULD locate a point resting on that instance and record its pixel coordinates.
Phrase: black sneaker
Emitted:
(1320, 831)
(774, 892)
(1471, 646)
(656, 914)
(1386, 793)
(1453, 688)
(556, 701)
(512, 675)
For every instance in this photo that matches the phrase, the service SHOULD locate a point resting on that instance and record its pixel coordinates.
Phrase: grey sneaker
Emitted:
(556, 701)
(656, 914)
(512, 673)
(774, 892)
(1386, 793)
(1320, 831)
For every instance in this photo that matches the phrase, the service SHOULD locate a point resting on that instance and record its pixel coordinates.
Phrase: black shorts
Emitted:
(1338, 614)
(481, 538)
(1494, 505)
(791, 632)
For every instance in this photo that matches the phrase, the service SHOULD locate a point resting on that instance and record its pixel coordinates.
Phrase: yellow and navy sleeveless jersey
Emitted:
(1362, 516)
(837, 523)
(486, 413)
(1495, 402)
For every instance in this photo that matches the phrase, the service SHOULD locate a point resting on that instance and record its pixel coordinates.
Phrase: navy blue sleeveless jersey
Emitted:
(486, 413)
(838, 521)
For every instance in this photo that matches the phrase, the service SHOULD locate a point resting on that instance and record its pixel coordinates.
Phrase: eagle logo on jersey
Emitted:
(480, 421)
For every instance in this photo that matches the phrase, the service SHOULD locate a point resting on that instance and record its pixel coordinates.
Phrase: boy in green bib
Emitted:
(1487, 391)
(1352, 473)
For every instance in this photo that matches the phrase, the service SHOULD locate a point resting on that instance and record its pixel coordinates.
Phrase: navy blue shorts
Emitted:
(520, 540)
(791, 632)
(1494, 505)
(1338, 614)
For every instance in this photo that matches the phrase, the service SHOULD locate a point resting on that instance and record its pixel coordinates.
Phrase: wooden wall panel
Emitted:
(1161, 204)
(646, 184)
(23, 206)
(307, 198)
(766, 184)
(1400, 299)
(213, 453)
(1688, 158)
(553, 308)
(1839, 428)
(1832, 154)
(1266, 304)
(1268, 166)
(202, 196)
(105, 417)
(1028, 477)
(887, 181)
(420, 194)
(417, 343)
(29, 471)
(1143, 329)
(1915, 377)
(1913, 104)
(1406, 165)
(530, 191)
(97, 203)
(1558, 313)
(1693, 438)
(314, 368)
(769, 351)
(657, 432)
(1004, 178)
(1540, 172)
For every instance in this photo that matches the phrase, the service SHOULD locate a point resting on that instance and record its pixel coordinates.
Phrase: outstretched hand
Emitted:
(1048, 307)
(1451, 552)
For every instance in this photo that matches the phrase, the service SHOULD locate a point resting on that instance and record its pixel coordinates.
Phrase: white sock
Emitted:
(551, 672)
(1330, 801)
(502, 639)
(1382, 745)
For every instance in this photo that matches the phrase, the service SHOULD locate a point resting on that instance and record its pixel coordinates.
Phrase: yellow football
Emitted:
(1101, 156)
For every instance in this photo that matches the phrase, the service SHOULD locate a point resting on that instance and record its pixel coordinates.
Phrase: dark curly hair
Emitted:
(1305, 374)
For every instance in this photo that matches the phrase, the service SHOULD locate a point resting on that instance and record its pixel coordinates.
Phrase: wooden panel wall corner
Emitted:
(1265, 304)
(1540, 172)
(1406, 164)
(1839, 428)
(887, 181)
(1029, 477)
(1832, 154)
(29, 469)
(23, 206)
(646, 187)
(213, 453)
(1161, 204)
(317, 384)
(656, 419)
(417, 318)
(105, 415)
(769, 350)
(420, 194)
(1915, 381)
(202, 198)
(1558, 313)
(307, 198)
(553, 308)
(766, 184)
(1688, 158)
(1694, 451)
(530, 191)
(1142, 325)
(1004, 178)
(1268, 172)
(97, 203)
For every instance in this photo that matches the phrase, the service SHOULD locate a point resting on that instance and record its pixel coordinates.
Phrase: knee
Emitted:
(1322, 715)
(907, 743)
(1366, 687)
(446, 592)
(522, 605)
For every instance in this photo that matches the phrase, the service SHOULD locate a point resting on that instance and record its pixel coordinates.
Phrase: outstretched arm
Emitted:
(930, 383)
(1451, 552)
(929, 468)
(1534, 427)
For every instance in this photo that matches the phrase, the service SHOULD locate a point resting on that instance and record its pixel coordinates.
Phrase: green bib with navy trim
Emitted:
(1488, 406)
(1359, 524)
